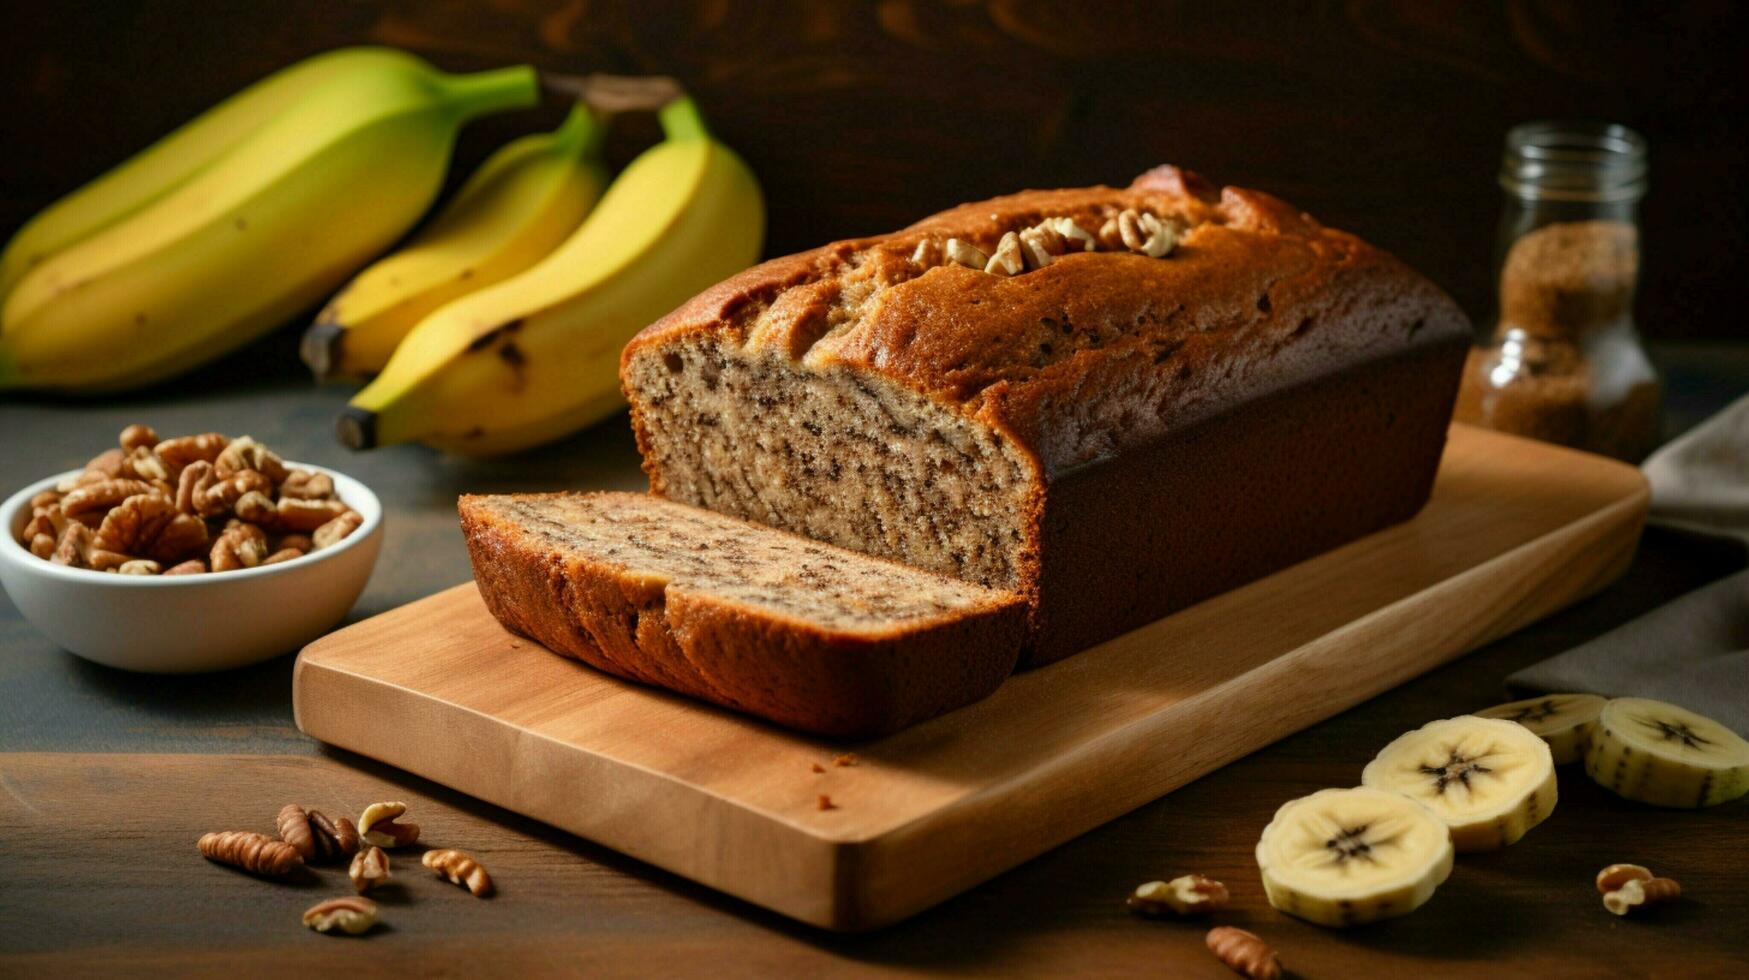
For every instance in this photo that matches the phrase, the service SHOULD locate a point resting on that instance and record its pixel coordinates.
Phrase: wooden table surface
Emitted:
(109, 777)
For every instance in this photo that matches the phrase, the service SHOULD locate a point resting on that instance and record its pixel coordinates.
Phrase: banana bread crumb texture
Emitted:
(805, 634)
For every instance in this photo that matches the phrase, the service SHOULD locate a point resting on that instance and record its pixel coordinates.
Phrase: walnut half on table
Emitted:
(199, 503)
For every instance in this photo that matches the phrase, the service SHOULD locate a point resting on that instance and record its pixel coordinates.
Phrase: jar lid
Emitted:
(1574, 161)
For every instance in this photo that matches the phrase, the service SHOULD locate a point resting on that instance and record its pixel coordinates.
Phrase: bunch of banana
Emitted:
(1565, 721)
(1341, 857)
(511, 213)
(154, 171)
(1661, 754)
(236, 222)
(1489, 780)
(537, 355)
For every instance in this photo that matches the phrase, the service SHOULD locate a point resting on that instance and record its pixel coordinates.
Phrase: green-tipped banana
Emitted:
(1564, 721)
(514, 211)
(154, 171)
(537, 356)
(262, 232)
(1661, 754)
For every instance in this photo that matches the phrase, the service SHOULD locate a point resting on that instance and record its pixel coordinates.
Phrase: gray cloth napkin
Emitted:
(1694, 651)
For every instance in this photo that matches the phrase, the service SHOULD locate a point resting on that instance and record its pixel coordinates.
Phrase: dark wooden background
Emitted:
(1385, 118)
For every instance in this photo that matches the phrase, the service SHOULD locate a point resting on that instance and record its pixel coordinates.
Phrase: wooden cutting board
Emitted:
(1515, 530)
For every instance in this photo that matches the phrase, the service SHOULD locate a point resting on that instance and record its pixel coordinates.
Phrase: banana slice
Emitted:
(1489, 780)
(1665, 755)
(1341, 857)
(1565, 721)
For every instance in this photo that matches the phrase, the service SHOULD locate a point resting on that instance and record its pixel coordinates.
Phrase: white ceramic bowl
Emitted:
(190, 623)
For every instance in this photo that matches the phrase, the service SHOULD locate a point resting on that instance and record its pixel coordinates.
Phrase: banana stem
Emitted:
(492, 91)
(615, 93)
(357, 429)
(681, 120)
(584, 129)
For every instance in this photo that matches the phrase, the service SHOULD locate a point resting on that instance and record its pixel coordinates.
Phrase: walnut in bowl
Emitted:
(101, 559)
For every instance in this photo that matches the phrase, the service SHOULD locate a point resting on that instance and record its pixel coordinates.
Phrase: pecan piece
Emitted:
(307, 485)
(335, 530)
(282, 555)
(103, 495)
(83, 477)
(46, 520)
(222, 493)
(1040, 245)
(964, 253)
(242, 546)
(370, 868)
(337, 838)
(191, 485)
(1186, 896)
(106, 561)
(307, 515)
(109, 463)
(1147, 233)
(1639, 894)
(1075, 236)
(1617, 875)
(143, 464)
(1244, 953)
(43, 545)
(294, 828)
(150, 526)
(352, 916)
(245, 453)
(74, 547)
(377, 825)
(180, 452)
(193, 566)
(256, 508)
(300, 542)
(460, 869)
(1007, 260)
(139, 566)
(257, 853)
(137, 435)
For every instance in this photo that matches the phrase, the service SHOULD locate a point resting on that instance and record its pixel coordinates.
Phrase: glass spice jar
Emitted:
(1563, 362)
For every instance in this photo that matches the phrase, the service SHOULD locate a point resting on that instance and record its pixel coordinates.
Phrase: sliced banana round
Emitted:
(1565, 721)
(1661, 754)
(1489, 780)
(1341, 857)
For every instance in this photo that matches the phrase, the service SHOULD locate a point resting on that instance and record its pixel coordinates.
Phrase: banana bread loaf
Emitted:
(808, 635)
(1116, 402)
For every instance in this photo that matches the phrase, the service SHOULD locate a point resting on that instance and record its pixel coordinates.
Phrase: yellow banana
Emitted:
(522, 202)
(265, 230)
(154, 171)
(537, 356)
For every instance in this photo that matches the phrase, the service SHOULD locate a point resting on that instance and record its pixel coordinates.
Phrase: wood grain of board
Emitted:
(1515, 530)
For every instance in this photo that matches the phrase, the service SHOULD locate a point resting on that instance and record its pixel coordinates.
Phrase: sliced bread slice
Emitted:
(808, 635)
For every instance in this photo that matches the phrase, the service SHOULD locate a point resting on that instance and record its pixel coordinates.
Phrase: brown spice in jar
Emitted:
(1563, 366)
(1568, 277)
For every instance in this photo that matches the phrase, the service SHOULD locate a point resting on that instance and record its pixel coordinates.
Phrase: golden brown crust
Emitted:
(1098, 353)
(780, 668)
